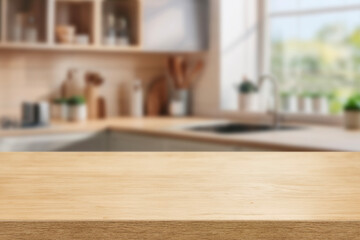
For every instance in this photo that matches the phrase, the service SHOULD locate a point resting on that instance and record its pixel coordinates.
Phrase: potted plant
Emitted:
(352, 113)
(60, 109)
(248, 96)
(305, 103)
(289, 102)
(320, 102)
(77, 109)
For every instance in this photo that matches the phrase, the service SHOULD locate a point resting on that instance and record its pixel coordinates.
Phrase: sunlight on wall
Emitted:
(239, 48)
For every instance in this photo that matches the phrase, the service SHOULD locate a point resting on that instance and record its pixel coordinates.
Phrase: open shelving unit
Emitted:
(26, 21)
(2, 23)
(67, 25)
(128, 10)
(77, 15)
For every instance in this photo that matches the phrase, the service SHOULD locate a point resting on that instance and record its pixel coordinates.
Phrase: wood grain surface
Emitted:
(180, 230)
(180, 196)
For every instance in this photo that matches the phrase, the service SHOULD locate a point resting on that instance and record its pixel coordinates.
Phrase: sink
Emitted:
(235, 128)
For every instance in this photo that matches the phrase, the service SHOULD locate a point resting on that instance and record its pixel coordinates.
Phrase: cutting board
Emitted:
(157, 97)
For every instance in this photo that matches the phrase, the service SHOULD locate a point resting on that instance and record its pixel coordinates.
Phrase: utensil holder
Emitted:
(180, 103)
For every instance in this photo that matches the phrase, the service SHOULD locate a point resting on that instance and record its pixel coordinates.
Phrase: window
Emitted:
(315, 51)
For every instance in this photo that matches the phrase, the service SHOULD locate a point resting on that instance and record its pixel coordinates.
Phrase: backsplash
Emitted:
(34, 76)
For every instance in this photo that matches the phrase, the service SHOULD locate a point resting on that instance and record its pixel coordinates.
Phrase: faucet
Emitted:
(276, 115)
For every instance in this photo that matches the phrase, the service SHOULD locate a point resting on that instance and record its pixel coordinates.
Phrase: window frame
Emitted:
(265, 53)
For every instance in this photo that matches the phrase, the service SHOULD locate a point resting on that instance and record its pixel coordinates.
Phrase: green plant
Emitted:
(353, 104)
(319, 95)
(315, 95)
(285, 94)
(76, 101)
(247, 87)
(330, 96)
(306, 95)
(60, 101)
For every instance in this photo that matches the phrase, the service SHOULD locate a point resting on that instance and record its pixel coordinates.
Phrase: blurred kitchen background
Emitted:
(179, 75)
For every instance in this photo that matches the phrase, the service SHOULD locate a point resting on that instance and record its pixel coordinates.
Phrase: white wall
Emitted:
(176, 25)
(233, 53)
(239, 47)
(34, 76)
(207, 91)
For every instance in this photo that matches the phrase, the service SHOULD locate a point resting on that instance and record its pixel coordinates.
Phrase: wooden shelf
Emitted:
(87, 17)
(87, 48)
(67, 47)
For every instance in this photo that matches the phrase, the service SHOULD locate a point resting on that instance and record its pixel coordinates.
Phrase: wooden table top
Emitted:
(180, 186)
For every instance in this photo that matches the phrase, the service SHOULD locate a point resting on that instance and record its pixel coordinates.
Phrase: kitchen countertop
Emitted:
(179, 196)
(308, 138)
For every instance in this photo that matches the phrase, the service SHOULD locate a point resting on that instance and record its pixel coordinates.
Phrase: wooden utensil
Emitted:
(93, 82)
(92, 96)
(157, 98)
(171, 67)
(195, 71)
(183, 75)
(152, 103)
(102, 108)
(179, 71)
(176, 67)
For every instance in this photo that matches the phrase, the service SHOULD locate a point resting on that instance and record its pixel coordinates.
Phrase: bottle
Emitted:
(18, 29)
(31, 33)
(137, 99)
(122, 32)
(72, 85)
(110, 38)
(43, 113)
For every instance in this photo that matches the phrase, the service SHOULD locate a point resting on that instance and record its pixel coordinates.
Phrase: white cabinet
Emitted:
(176, 25)
(250, 149)
(111, 141)
(145, 143)
(128, 142)
(80, 142)
(176, 145)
